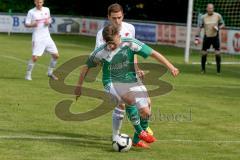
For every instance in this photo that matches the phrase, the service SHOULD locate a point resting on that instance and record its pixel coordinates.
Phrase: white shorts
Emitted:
(138, 90)
(40, 46)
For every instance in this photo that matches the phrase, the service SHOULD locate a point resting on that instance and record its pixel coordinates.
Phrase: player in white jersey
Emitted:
(127, 30)
(39, 19)
(115, 16)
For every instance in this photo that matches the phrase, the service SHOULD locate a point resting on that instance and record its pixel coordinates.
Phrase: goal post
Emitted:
(189, 30)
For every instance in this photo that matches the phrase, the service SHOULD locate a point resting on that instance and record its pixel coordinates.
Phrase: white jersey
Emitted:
(127, 31)
(40, 16)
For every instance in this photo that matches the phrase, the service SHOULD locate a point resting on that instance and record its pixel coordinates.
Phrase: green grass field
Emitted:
(198, 120)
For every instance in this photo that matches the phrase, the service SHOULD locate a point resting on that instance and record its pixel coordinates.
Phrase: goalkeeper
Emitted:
(212, 22)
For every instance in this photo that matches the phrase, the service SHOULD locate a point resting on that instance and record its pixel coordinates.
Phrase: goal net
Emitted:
(229, 36)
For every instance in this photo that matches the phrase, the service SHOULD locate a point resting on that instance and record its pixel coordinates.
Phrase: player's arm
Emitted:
(48, 20)
(31, 25)
(160, 58)
(221, 23)
(83, 74)
(221, 26)
(146, 51)
(91, 62)
(99, 39)
(139, 72)
(200, 27)
(199, 30)
(29, 22)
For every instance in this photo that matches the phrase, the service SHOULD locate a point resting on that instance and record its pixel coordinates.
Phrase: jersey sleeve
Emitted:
(49, 16)
(140, 48)
(99, 39)
(201, 21)
(221, 21)
(133, 31)
(93, 60)
(28, 19)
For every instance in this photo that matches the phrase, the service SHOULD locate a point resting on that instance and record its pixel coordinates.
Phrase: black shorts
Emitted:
(208, 41)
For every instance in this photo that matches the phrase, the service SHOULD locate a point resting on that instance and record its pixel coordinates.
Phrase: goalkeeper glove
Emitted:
(197, 40)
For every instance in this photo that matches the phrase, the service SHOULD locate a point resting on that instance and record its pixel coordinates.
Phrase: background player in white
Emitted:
(39, 19)
(115, 16)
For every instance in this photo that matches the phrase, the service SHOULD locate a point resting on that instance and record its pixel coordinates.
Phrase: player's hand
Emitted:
(78, 92)
(34, 24)
(47, 22)
(197, 40)
(174, 71)
(215, 28)
(140, 74)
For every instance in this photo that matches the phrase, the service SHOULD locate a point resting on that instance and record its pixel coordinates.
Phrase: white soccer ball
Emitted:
(122, 143)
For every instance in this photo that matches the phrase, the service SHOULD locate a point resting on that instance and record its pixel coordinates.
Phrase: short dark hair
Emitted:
(114, 8)
(109, 32)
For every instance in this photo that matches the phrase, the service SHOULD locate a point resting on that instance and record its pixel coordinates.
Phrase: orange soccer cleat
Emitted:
(141, 144)
(147, 137)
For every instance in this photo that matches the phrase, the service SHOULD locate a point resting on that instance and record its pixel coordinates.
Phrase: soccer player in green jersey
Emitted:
(127, 30)
(119, 78)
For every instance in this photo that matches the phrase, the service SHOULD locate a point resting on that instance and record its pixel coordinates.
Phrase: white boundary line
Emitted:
(236, 86)
(38, 64)
(21, 60)
(19, 137)
(25, 61)
(62, 44)
(200, 141)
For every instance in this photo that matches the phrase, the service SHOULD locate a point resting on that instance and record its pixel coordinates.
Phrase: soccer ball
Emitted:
(122, 143)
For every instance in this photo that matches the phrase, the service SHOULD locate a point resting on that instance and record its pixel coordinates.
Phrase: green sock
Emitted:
(134, 117)
(135, 138)
(144, 123)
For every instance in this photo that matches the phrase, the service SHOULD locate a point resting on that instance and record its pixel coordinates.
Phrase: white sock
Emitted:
(52, 65)
(30, 67)
(117, 118)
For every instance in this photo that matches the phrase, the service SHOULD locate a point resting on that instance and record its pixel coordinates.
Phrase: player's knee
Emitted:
(129, 99)
(121, 106)
(34, 58)
(130, 102)
(55, 56)
(145, 112)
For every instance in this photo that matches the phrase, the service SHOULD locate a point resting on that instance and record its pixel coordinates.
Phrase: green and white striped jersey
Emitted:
(118, 65)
